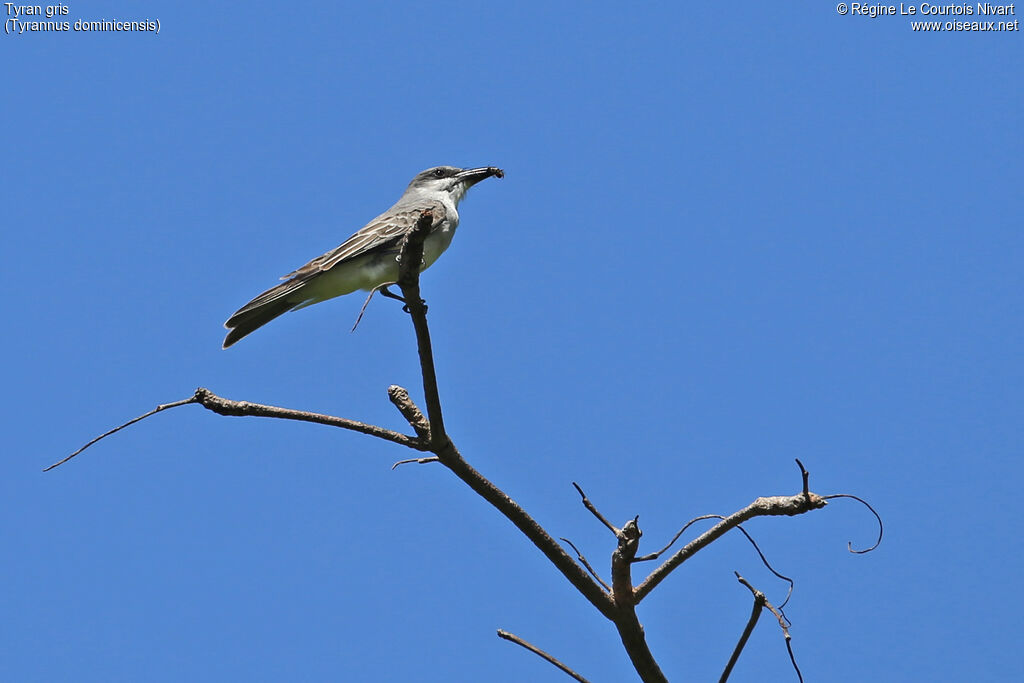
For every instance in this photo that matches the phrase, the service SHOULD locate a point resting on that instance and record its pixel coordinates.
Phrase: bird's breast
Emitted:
(437, 242)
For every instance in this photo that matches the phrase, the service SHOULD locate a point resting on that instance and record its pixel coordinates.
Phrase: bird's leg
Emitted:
(384, 291)
(363, 309)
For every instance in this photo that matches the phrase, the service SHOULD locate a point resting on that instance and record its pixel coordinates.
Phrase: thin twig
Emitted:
(759, 601)
(420, 461)
(583, 560)
(764, 560)
(590, 506)
(849, 544)
(159, 408)
(656, 555)
(511, 637)
(782, 623)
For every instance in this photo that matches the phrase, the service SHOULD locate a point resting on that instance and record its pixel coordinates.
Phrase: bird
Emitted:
(369, 258)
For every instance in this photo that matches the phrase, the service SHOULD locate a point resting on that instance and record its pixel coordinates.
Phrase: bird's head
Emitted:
(454, 181)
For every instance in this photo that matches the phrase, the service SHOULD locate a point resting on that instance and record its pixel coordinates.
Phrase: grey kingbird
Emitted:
(369, 258)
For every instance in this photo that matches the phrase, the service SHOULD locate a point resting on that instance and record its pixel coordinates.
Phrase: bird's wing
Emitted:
(388, 227)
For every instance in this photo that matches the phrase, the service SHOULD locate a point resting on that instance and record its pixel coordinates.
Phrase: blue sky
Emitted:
(728, 236)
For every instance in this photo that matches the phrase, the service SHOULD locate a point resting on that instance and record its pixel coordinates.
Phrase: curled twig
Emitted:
(849, 544)
(764, 560)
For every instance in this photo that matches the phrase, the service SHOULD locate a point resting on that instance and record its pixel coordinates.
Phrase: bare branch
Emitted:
(759, 601)
(511, 637)
(411, 258)
(412, 414)
(759, 596)
(849, 545)
(583, 560)
(590, 506)
(159, 408)
(769, 506)
(225, 406)
(616, 602)
(577, 576)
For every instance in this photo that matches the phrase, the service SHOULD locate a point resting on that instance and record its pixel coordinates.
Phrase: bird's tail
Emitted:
(259, 312)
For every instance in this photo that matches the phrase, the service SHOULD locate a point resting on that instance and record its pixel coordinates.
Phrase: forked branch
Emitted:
(760, 602)
(762, 507)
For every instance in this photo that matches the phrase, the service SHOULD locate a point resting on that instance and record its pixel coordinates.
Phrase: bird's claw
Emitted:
(423, 303)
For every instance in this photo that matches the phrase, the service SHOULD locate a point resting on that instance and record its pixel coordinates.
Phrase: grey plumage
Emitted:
(367, 259)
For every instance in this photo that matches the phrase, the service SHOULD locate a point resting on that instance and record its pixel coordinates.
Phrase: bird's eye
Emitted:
(439, 173)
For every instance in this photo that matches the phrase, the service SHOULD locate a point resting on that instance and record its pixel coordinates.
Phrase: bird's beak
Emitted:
(472, 176)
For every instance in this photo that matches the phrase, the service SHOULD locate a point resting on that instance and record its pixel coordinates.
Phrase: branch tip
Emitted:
(165, 406)
(513, 638)
(399, 397)
(805, 475)
(594, 511)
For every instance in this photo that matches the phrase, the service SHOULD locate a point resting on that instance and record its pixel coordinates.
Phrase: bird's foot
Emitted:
(384, 291)
(423, 302)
